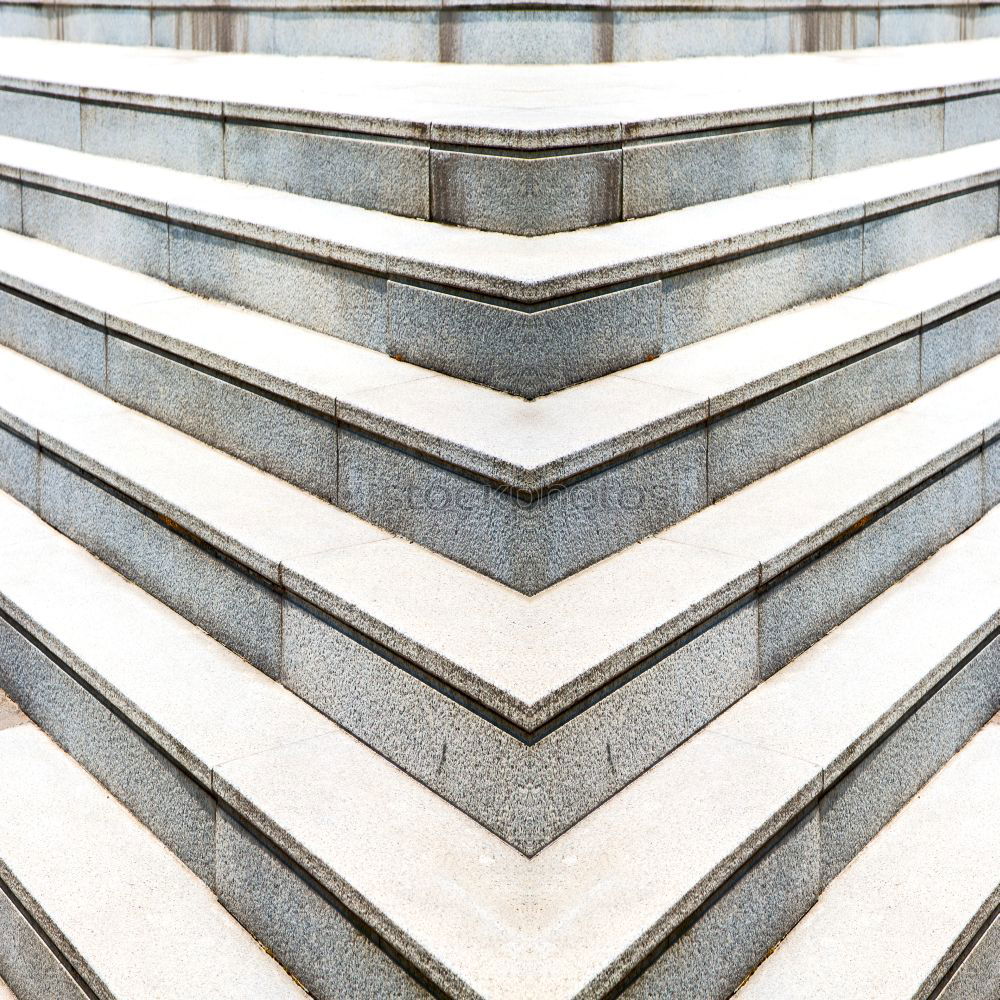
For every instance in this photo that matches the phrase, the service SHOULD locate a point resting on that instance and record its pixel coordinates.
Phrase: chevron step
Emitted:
(472, 146)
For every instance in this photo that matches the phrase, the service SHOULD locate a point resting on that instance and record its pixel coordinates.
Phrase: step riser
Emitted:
(519, 793)
(525, 544)
(526, 195)
(542, 350)
(566, 35)
(978, 973)
(257, 885)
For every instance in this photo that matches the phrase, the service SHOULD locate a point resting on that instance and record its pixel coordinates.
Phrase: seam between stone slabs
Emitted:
(137, 728)
(54, 949)
(992, 919)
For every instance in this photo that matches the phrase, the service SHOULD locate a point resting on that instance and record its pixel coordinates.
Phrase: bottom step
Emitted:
(93, 905)
(915, 914)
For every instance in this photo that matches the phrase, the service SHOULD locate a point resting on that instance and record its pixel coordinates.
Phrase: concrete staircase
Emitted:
(498, 531)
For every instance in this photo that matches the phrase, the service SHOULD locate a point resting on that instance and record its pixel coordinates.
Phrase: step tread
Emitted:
(895, 920)
(499, 105)
(517, 268)
(108, 892)
(6, 993)
(519, 444)
(524, 657)
(454, 897)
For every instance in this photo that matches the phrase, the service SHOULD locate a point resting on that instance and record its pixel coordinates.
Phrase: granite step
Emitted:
(663, 635)
(499, 31)
(309, 837)
(527, 315)
(5, 992)
(476, 147)
(509, 491)
(121, 917)
(915, 914)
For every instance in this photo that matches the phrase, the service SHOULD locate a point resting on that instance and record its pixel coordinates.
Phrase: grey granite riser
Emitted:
(526, 542)
(977, 972)
(527, 788)
(566, 34)
(545, 191)
(527, 353)
(705, 956)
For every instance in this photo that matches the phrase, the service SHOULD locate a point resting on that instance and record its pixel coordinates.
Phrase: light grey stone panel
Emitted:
(919, 25)
(526, 795)
(386, 176)
(750, 443)
(27, 965)
(978, 975)
(19, 469)
(850, 142)
(525, 36)
(279, 438)
(728, 942)
(179, 141)
(718, 297)
(903, 238)
(805, 606)
(303, 931)
(661, 176)
(991, 476)
(956, 345)
(20, 21)
(411, 35)
(527, 545)
(55, 120)
(55, 340)
(525, 353)
(817, 29)
(971, 119)
(528, 196)
(238, 611)
(333, 300)
(869, 795)
(10, 205)
(213, 30)
(116, 237)
(641, 35)
(106, 25)
(982, 21)
(180, 813)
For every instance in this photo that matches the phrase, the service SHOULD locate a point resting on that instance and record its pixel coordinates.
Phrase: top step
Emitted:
(501, 31)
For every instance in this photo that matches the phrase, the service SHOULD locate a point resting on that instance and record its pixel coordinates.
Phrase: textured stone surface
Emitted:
(56, 340)
(40, 119)
(642, 34)
(180, 813)
(753, 442)
(524, 353)
(991, 475)
(26, 962)
(802, 608)
(708, 300)
(979, 971)
(871, 793)
(179, 141)
(971, 119)
(388, 176)
(344, 303)
(527, 545)
(526, 195)
(316, 944)
(19, 469)
(10, 205)
(951, 347)
(237, 610)
(850, 143)
(661, 176)
(118, 237)
(729, 941)
(904, 238)
(297, 446)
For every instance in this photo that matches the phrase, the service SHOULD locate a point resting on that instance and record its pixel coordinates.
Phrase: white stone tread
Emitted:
(525, 657)
(133, 920)
(5, 992)
(492, 105)
(891, 925)
(521, 269)
(520, 444)
(474, 914)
